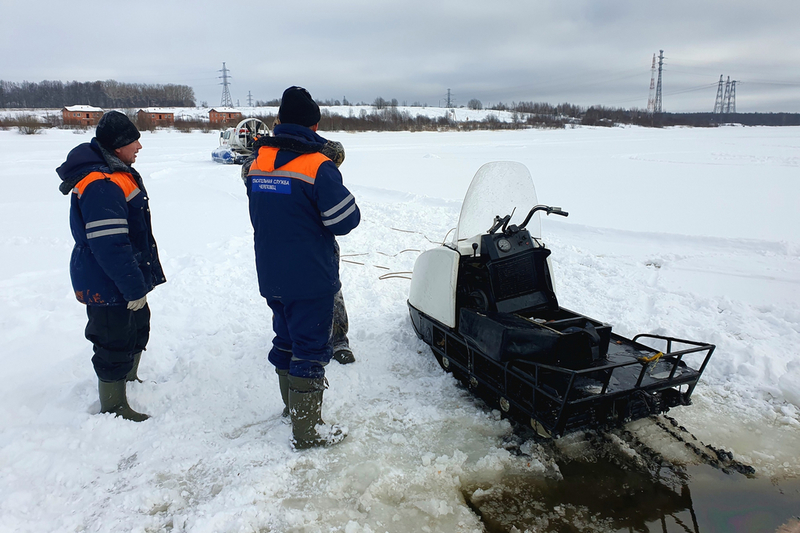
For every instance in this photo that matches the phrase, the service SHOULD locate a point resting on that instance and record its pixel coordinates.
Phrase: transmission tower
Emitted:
(226, 94)
(730, 102)
(449, 101)
(719, 99)
(657, 104)
(727, 97)
(249, 99)
(651, 99)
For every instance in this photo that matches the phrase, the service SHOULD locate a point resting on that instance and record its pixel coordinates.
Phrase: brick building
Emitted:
(223, 115)
(81, 115)
(155, 116)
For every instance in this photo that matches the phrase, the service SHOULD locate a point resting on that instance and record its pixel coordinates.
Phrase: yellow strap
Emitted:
(652, 358)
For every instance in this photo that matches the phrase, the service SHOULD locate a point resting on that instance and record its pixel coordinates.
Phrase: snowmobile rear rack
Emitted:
(633, 380)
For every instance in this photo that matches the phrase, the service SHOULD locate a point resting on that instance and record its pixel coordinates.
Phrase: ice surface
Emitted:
(663, 236)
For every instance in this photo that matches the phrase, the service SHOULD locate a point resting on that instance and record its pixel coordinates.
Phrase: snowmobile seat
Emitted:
(573, 343)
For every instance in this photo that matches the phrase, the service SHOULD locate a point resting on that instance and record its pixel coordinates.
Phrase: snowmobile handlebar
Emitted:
(498, 222)
(547, 208)
(503, 222)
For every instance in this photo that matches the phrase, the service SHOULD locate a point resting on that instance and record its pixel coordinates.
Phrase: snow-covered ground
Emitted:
(201, 113)
(687, 232)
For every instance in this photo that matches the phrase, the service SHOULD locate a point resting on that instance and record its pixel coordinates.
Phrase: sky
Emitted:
(581, 52)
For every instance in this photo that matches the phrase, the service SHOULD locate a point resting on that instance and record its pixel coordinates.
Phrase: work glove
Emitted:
(135, 305)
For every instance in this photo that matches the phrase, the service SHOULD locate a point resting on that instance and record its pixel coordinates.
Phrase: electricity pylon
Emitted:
(657, 104)
(730, 104)
(651, 99)
(226, 94)
(719, 99)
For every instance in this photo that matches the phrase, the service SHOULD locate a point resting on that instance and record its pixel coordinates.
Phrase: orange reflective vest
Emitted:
(304, 167)
(124, 180)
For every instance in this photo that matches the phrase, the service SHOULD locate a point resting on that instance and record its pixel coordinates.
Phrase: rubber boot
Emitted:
(305, 408)
(113, 399)
(283, 383)
(132, 375)
(344, 356)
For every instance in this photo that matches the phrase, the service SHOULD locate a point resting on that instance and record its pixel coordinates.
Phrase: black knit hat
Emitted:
(297, 107)
(115, 130)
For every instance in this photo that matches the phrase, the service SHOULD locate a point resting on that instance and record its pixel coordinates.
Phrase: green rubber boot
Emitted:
(132, 375)
(114, 400)
(305, 408)
(283, 383)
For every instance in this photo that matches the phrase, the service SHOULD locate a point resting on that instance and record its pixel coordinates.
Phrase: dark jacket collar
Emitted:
(293, 138)
(86, 158)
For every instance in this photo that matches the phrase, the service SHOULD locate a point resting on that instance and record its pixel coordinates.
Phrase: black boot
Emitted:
(113, 399)
(305, 408)
(340, 344)
(344, 356)
(283, 383)
(132, 375)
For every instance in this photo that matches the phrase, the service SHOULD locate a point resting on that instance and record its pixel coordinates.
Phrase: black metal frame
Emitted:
(556, 400)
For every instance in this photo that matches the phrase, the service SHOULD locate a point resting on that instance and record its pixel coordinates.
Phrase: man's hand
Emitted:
(135, 305)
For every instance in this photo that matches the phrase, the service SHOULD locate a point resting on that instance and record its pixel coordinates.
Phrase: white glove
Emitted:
(135, 305)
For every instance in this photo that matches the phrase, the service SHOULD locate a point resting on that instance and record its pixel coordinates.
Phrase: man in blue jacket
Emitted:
(340, 344)
(114, 262)
(298, 204)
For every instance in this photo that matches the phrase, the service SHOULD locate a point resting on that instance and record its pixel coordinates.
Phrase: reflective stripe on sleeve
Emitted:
(106, 222)
(283, 174)
(104, 232)
(338, 206)
(341, 217)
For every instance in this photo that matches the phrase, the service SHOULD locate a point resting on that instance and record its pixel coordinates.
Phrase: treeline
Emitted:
(105, 94)
(393, 119)
(606, 116)
(716, 119)
(537, 108)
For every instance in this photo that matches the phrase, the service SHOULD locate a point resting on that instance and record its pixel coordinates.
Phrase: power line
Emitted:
(691, 89)
(767, 82)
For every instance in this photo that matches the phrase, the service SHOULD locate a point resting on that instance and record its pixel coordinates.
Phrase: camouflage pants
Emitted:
(340, 324)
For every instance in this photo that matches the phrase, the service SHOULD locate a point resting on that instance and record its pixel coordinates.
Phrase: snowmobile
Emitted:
(486, 304)
(236, 144)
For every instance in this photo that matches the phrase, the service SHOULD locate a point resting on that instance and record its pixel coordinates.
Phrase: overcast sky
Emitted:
(577, 51)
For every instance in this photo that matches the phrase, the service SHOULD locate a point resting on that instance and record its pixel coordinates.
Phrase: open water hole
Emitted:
(603, 496)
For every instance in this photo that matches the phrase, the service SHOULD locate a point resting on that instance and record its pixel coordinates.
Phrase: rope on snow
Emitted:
(390, 275)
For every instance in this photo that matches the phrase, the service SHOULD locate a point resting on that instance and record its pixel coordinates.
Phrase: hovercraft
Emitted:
(236, 144)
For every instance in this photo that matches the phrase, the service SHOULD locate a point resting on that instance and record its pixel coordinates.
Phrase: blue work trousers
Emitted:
(116, 333)
(302, 335)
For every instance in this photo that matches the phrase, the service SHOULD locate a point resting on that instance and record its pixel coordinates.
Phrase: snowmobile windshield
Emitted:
(498, 189)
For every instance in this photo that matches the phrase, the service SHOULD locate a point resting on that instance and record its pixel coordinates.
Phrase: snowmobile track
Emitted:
(716, 457)
(647, 457)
